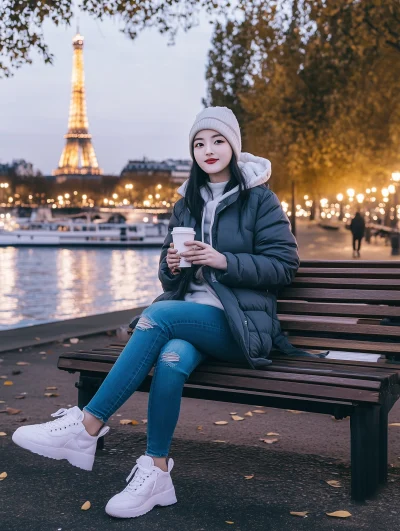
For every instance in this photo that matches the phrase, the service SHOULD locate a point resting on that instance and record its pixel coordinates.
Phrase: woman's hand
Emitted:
(204, 254)
(173, 260)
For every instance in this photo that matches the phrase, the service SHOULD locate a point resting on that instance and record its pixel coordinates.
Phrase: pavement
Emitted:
(209, 475)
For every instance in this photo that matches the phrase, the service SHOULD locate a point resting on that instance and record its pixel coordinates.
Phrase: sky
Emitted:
(142, 96)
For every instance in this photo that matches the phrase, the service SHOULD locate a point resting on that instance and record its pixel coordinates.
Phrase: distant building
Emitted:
(150, 172)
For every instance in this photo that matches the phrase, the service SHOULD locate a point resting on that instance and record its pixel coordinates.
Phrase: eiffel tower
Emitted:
(78, 157)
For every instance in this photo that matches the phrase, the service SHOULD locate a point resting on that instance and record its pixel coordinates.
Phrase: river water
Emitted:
(44, 284)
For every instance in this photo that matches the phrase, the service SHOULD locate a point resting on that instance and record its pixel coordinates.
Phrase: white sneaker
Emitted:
(150, 486)
(64, 438)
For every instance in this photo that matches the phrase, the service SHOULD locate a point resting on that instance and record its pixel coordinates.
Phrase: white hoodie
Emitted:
(256, 171)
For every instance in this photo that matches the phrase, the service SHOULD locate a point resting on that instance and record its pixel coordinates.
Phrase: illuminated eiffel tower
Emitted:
(78, 156)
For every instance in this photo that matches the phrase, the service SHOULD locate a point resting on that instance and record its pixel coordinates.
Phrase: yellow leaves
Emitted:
(219, 441)
(303, 514)
(3, 433)
(249, 477)
(129, 421)
(269, 441)
(236, 417)
(271, 433)
(229, 522)
(334, 483)
(3, 475)
(51, 388)
(248, 414)
(397, 424)
(221, 422)
(294, 411)
(86, 506)
(233, 413)
(8, 382)
(258, 411)
(199, 428)
(339, 514)
(49, 395)
(22, 363)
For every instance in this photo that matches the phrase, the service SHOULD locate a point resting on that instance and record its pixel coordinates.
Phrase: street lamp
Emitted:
(339, 197)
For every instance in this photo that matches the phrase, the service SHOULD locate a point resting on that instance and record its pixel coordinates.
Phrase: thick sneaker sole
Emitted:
(163, 499)
(78, 459)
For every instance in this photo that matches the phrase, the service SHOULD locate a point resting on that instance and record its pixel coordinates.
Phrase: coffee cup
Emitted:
(180, 235)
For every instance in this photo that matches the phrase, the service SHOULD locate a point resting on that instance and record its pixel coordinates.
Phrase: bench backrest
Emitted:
(344, 305)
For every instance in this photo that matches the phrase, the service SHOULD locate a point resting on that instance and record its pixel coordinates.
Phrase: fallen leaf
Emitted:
(74, 340)
(12, 411)
(236, 417)
(269, 441)
(221, 422)
(3, 377)
(258, 411)
(334, 483)
(229, 522)
(86, 506)
(3, 433)
(22, 363)
(2, 402)
(3, 475)
(42, 352)
(339, 514)
(233, 413)
(300, 513)
(249, 477)
(20, 397)
(51, 388)
(49, 395)
(294, 411)
(272, 433)
(219, 441)
(144, 421)
(395, 424)
(8, 382)
(248, 414)
(128, 421)
(199, 427)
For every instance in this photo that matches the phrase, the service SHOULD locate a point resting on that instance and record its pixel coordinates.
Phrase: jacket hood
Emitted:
(256, 171)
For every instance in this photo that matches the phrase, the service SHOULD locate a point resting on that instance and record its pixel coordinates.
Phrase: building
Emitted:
(146, 173)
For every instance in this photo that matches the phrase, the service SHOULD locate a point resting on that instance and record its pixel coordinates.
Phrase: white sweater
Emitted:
(200, 291)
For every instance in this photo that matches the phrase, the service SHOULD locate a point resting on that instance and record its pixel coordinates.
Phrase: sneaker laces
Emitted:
(59, 423)
(139, 479)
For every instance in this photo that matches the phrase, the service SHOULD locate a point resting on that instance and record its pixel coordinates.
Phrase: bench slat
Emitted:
(351, 272)
(343, 295)
(336, 308)
(344, 344)
(288, 323)
(362, 283)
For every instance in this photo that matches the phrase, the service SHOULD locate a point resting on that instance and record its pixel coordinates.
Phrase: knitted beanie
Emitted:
(222, 120)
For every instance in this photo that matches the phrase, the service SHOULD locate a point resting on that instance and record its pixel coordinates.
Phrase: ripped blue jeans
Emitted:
(175, 336)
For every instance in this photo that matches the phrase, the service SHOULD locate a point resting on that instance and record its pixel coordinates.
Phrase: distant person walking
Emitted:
(357, 227)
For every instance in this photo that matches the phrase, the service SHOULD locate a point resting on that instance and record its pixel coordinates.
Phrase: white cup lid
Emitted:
(177, 230)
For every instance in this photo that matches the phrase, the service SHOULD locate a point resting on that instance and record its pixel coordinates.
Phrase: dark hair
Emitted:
(198, 178)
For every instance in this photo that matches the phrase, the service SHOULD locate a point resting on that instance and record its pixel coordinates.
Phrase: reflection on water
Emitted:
(49, 284)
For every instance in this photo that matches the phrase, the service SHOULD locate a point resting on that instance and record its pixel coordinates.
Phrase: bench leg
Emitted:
(383, 445)
(87, 388)
(365, 454)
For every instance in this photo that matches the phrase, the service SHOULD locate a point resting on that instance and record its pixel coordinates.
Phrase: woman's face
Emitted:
(211, 151)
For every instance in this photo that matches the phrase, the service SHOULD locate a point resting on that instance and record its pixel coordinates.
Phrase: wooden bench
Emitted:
(330, 305)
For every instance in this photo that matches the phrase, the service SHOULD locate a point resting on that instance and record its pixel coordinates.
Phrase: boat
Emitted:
(97, 229)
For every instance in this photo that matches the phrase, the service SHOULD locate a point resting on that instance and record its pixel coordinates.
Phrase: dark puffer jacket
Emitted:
(262, 256)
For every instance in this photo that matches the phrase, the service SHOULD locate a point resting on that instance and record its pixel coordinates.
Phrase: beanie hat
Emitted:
(222, 120)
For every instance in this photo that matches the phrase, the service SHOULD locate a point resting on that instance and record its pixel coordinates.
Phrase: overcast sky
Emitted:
(142, 96)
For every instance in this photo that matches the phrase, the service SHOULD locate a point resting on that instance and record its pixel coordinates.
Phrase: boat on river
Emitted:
(100, 229)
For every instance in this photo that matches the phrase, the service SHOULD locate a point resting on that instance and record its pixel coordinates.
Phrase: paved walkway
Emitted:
(44, 495)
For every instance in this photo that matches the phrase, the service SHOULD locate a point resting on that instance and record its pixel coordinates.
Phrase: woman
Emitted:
(224, 306)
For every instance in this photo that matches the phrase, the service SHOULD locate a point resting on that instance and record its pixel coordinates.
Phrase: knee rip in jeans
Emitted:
(169, 358)
(145, 323)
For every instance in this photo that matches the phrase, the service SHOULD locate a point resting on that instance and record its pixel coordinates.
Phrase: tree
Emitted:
(21, 21)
